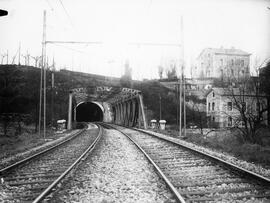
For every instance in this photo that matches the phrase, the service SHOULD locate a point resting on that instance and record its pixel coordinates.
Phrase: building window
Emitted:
(209, 106)
(232, 72)
(221, 62)
(221, 71)
(213, 119)
(213, 94)
(232, 62)
(229, 106)
(213, 106)
(242, 63)
(229, 121)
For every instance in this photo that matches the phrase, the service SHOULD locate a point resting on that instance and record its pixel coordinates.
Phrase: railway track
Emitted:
(32, 179)
(197, 177)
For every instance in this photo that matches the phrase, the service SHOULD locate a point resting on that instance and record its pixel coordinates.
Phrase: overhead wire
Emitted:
(50, 5)
(66, 12)
(79, 51)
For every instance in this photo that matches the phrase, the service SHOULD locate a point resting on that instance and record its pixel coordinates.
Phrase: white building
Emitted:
(222, 63)
(223, 106)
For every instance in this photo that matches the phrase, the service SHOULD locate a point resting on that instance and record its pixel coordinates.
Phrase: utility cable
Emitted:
(66, 12)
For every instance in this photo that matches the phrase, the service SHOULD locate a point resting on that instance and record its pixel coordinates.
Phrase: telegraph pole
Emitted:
(44, 107)
(52, 96)
(183, 75)
(184, 102)
(41, 77)
(159, 107)
(181, 84)
(180, 103)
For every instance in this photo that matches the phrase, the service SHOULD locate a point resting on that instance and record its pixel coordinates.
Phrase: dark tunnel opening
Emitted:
(88, 112)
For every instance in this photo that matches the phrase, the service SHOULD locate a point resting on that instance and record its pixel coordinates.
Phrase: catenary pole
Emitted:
(180, 103)
(183, 74)
(52, 96)
(184, 102)
(180, 79)
(41, 73)
(159, 107)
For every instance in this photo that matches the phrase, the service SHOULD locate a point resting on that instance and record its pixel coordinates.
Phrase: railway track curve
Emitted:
(198, 177)
(33, 178)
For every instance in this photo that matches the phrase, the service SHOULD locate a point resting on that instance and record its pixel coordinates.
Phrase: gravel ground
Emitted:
(247, 165)
(14, 158)
(115, 172)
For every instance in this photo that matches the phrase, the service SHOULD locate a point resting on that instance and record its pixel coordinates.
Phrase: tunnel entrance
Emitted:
(88, 112)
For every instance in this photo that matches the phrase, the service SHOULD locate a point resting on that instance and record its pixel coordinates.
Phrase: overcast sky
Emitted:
(243, 24)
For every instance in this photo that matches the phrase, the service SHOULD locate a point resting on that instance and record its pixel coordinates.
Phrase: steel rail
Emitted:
(23, 161)
(162, 175)
(225, 163)
(50, 187)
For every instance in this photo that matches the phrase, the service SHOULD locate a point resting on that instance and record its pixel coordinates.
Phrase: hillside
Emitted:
(19, 93)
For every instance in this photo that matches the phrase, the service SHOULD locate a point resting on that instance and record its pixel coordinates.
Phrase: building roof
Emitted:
(232, 91)
(225, 91)
(223, 51)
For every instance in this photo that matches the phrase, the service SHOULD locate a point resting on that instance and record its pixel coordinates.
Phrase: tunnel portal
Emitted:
(88, 112)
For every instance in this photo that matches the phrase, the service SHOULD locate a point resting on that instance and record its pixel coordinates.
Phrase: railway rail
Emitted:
(197, 177)
(32, 179)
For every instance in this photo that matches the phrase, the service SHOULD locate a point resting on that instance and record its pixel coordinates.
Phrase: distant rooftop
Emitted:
(233, 91)
(231, 51)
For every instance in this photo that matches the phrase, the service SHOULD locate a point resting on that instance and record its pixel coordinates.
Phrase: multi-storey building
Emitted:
(223, 104)
(222, 63)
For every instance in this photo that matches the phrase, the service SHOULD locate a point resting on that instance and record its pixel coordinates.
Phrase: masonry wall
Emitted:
(219, 116)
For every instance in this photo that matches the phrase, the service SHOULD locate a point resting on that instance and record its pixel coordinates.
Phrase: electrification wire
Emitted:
(70, 20)
(79, 51)
(50, 5)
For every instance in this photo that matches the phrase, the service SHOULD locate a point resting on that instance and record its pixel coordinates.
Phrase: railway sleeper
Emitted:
(218, 198)
(185, 163)
(30, 177)
(189, 174)
(206, 183)
(194, 169)
(31, 182)
(40, 173)
(222, 191)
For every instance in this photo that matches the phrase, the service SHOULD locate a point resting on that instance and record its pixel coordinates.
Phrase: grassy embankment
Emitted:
(229, 142)
(13, 144)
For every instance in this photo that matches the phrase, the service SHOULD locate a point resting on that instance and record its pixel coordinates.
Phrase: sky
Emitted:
(144, 33)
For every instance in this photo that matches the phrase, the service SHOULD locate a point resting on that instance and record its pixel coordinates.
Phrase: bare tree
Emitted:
(197, 114)
(171, 71)
(160, 71)
(250, 107)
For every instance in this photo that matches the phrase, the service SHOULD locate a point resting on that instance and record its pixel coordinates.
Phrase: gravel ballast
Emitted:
(115, 172)
(19, 156)
(226, 157)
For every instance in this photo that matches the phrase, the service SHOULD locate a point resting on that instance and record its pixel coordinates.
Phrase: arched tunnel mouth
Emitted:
(88, 112)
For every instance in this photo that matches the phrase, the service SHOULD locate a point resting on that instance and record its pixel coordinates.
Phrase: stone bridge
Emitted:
(123, 106)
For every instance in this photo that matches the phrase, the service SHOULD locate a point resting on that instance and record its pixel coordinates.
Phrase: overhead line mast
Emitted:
(43, 55)
(182, 85)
